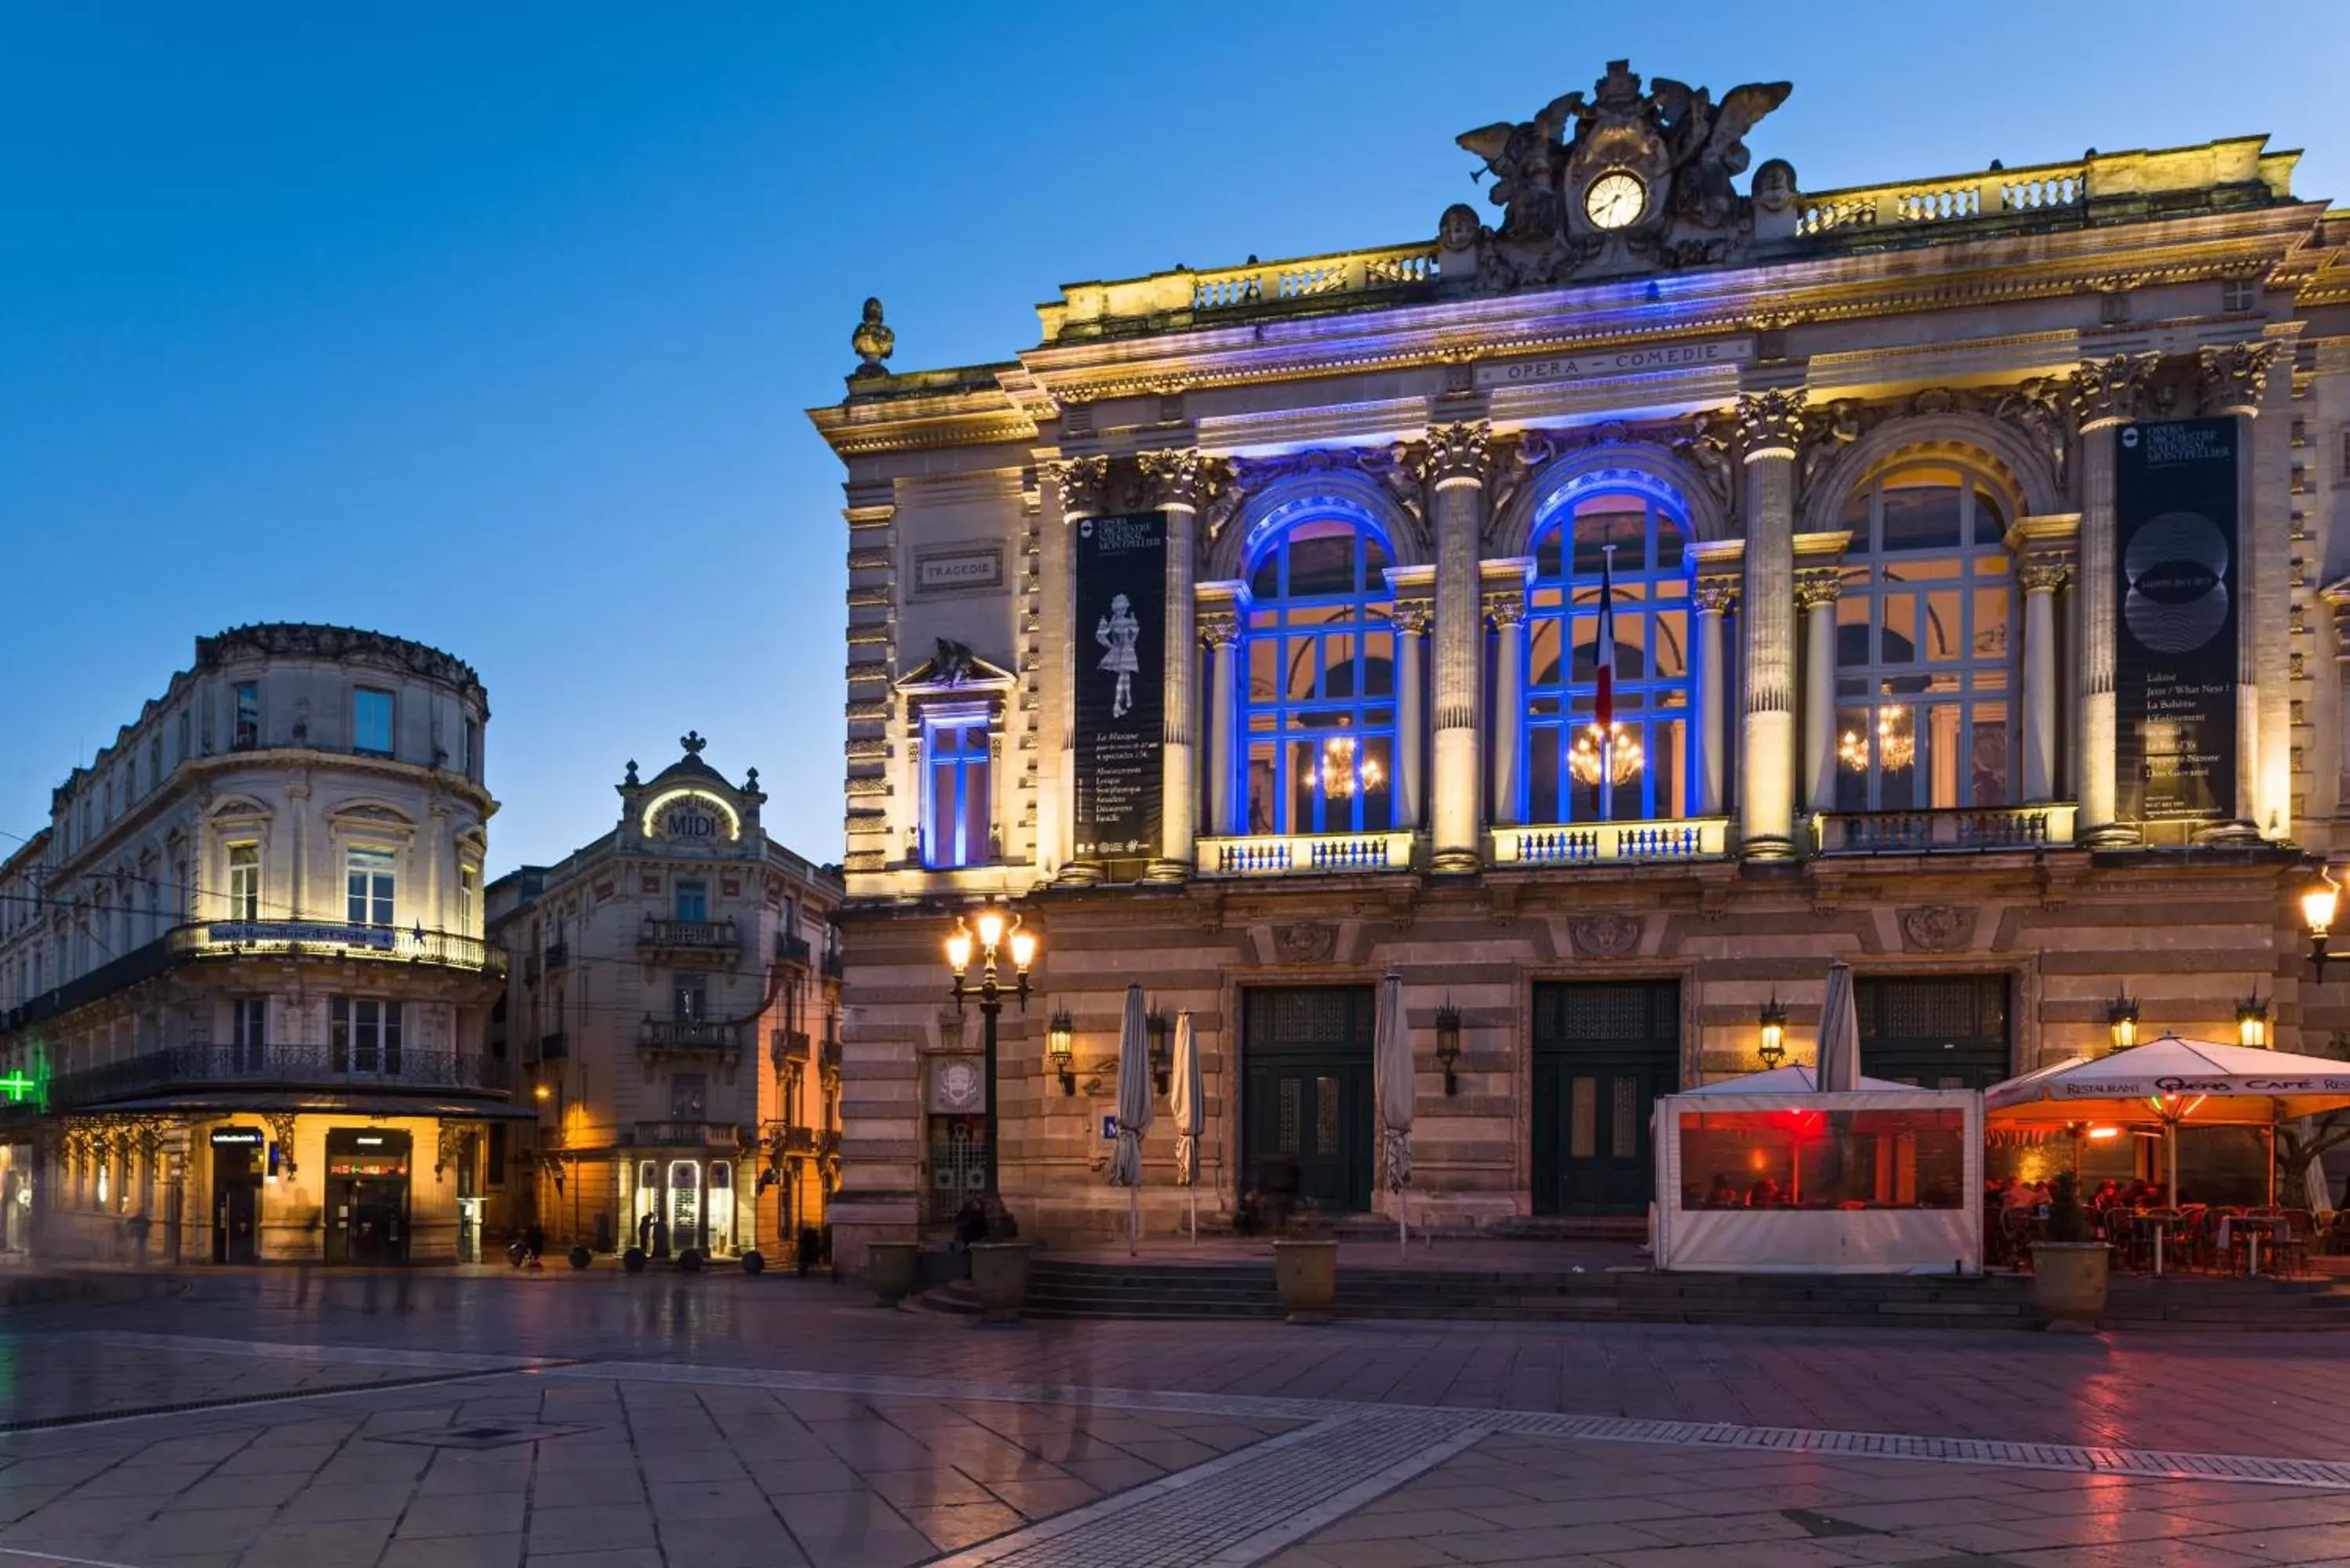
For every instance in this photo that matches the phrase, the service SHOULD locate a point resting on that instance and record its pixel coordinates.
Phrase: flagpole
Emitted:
(1604, 705)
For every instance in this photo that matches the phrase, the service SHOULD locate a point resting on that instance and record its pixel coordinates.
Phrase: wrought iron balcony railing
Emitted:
(834, 964)
(554, 1047)
(686, 1134)
(831, 1057)
(557, 955)
(794, 949)
(329, 939)
(211, 940)
(1611, 843)
(703, 936)
(1976, 830)
(688, 1034)
(306, 1066)
(797, 1140)
(827, 1144)
(789, 1045)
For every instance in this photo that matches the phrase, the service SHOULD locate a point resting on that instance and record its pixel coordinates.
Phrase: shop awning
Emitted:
(326, 1103)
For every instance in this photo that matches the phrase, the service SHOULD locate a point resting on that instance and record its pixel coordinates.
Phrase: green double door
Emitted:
(1602, 1055)
(1307, 1114)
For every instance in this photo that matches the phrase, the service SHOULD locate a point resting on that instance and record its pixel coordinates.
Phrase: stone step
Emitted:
(1171, 1291)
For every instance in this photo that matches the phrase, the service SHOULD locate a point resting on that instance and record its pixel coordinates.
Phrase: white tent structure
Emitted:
(1766, 1174)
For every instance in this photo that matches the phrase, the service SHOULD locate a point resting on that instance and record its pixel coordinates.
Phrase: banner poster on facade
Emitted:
(1121, 633)
(2175, 502)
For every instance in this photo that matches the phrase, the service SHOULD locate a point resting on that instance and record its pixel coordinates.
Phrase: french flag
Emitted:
(1605, 717)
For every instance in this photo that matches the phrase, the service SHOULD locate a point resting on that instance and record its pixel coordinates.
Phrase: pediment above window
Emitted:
(371, 812)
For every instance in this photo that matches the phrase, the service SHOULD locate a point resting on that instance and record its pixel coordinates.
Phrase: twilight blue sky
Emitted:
(493, 326)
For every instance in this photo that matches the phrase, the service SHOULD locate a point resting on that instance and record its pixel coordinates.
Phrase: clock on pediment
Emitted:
(1616, 199)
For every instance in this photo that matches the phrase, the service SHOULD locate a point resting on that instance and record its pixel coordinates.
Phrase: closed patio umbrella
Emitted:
(1391, 1070)
(1189, 1102)
(1134, 1111)
(1839, 1070)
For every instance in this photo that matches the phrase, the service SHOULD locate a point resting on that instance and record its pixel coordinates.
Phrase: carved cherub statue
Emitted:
(1525, 160)
(1706, 144)
(953, 665)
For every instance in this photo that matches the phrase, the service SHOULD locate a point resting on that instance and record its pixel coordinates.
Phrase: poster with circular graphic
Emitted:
(2177, 538)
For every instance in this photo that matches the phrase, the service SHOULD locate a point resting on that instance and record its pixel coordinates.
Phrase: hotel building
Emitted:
(671, 997)
(243, 984)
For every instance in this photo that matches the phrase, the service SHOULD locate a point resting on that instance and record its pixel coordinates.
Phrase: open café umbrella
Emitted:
(1839, 1033)
(2169, 1083)
(1134, 1111)
(1189, 1102)
(1391, 1068)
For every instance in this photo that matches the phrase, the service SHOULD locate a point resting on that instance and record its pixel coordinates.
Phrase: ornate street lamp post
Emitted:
(992, 937)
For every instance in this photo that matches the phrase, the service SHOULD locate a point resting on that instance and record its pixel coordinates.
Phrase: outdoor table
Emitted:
(2161, 1221)
(2254, 1227)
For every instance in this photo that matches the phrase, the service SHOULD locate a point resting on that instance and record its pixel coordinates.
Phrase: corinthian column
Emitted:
(1715, 598)
(2104, 395)
(1411, 622)
(1176, 483)
(1220, 633)
(1815, 594)
(1768, 425)
(2232, 378)
(2040, 581)
(1081, 484)
(1508, 611)
(1454, 473)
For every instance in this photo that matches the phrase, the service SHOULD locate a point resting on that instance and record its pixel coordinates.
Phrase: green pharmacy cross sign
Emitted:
(16, 1085)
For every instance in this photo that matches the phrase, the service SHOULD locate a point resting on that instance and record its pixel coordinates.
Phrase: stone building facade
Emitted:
(243, 984)
(1846, 476)
(671, 998)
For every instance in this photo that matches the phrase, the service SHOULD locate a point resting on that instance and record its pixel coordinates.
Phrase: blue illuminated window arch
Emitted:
(1655, 690)
(1318, 706)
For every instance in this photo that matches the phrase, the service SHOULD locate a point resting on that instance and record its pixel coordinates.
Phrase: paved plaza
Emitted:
(458, 1419)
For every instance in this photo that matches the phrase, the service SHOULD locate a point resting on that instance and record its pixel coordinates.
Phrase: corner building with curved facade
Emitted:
(1952, 562)
(243, 988)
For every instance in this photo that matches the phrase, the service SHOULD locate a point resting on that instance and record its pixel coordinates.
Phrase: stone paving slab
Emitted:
(1514, 1501)
(78, 1377)
(672, 1424)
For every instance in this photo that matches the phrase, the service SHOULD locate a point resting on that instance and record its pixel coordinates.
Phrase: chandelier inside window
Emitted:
(1342, 774)
(1611, 753)
(1897, 748)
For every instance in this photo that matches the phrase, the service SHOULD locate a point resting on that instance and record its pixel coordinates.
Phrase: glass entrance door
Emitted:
(236, 1203)
(1602, 1055)
(367, 1196)
(1307, 1132)
(685, 1205)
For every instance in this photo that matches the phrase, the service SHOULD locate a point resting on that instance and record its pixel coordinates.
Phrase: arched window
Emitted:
(1319, 717)
(1644, 773)
(1925, 698)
